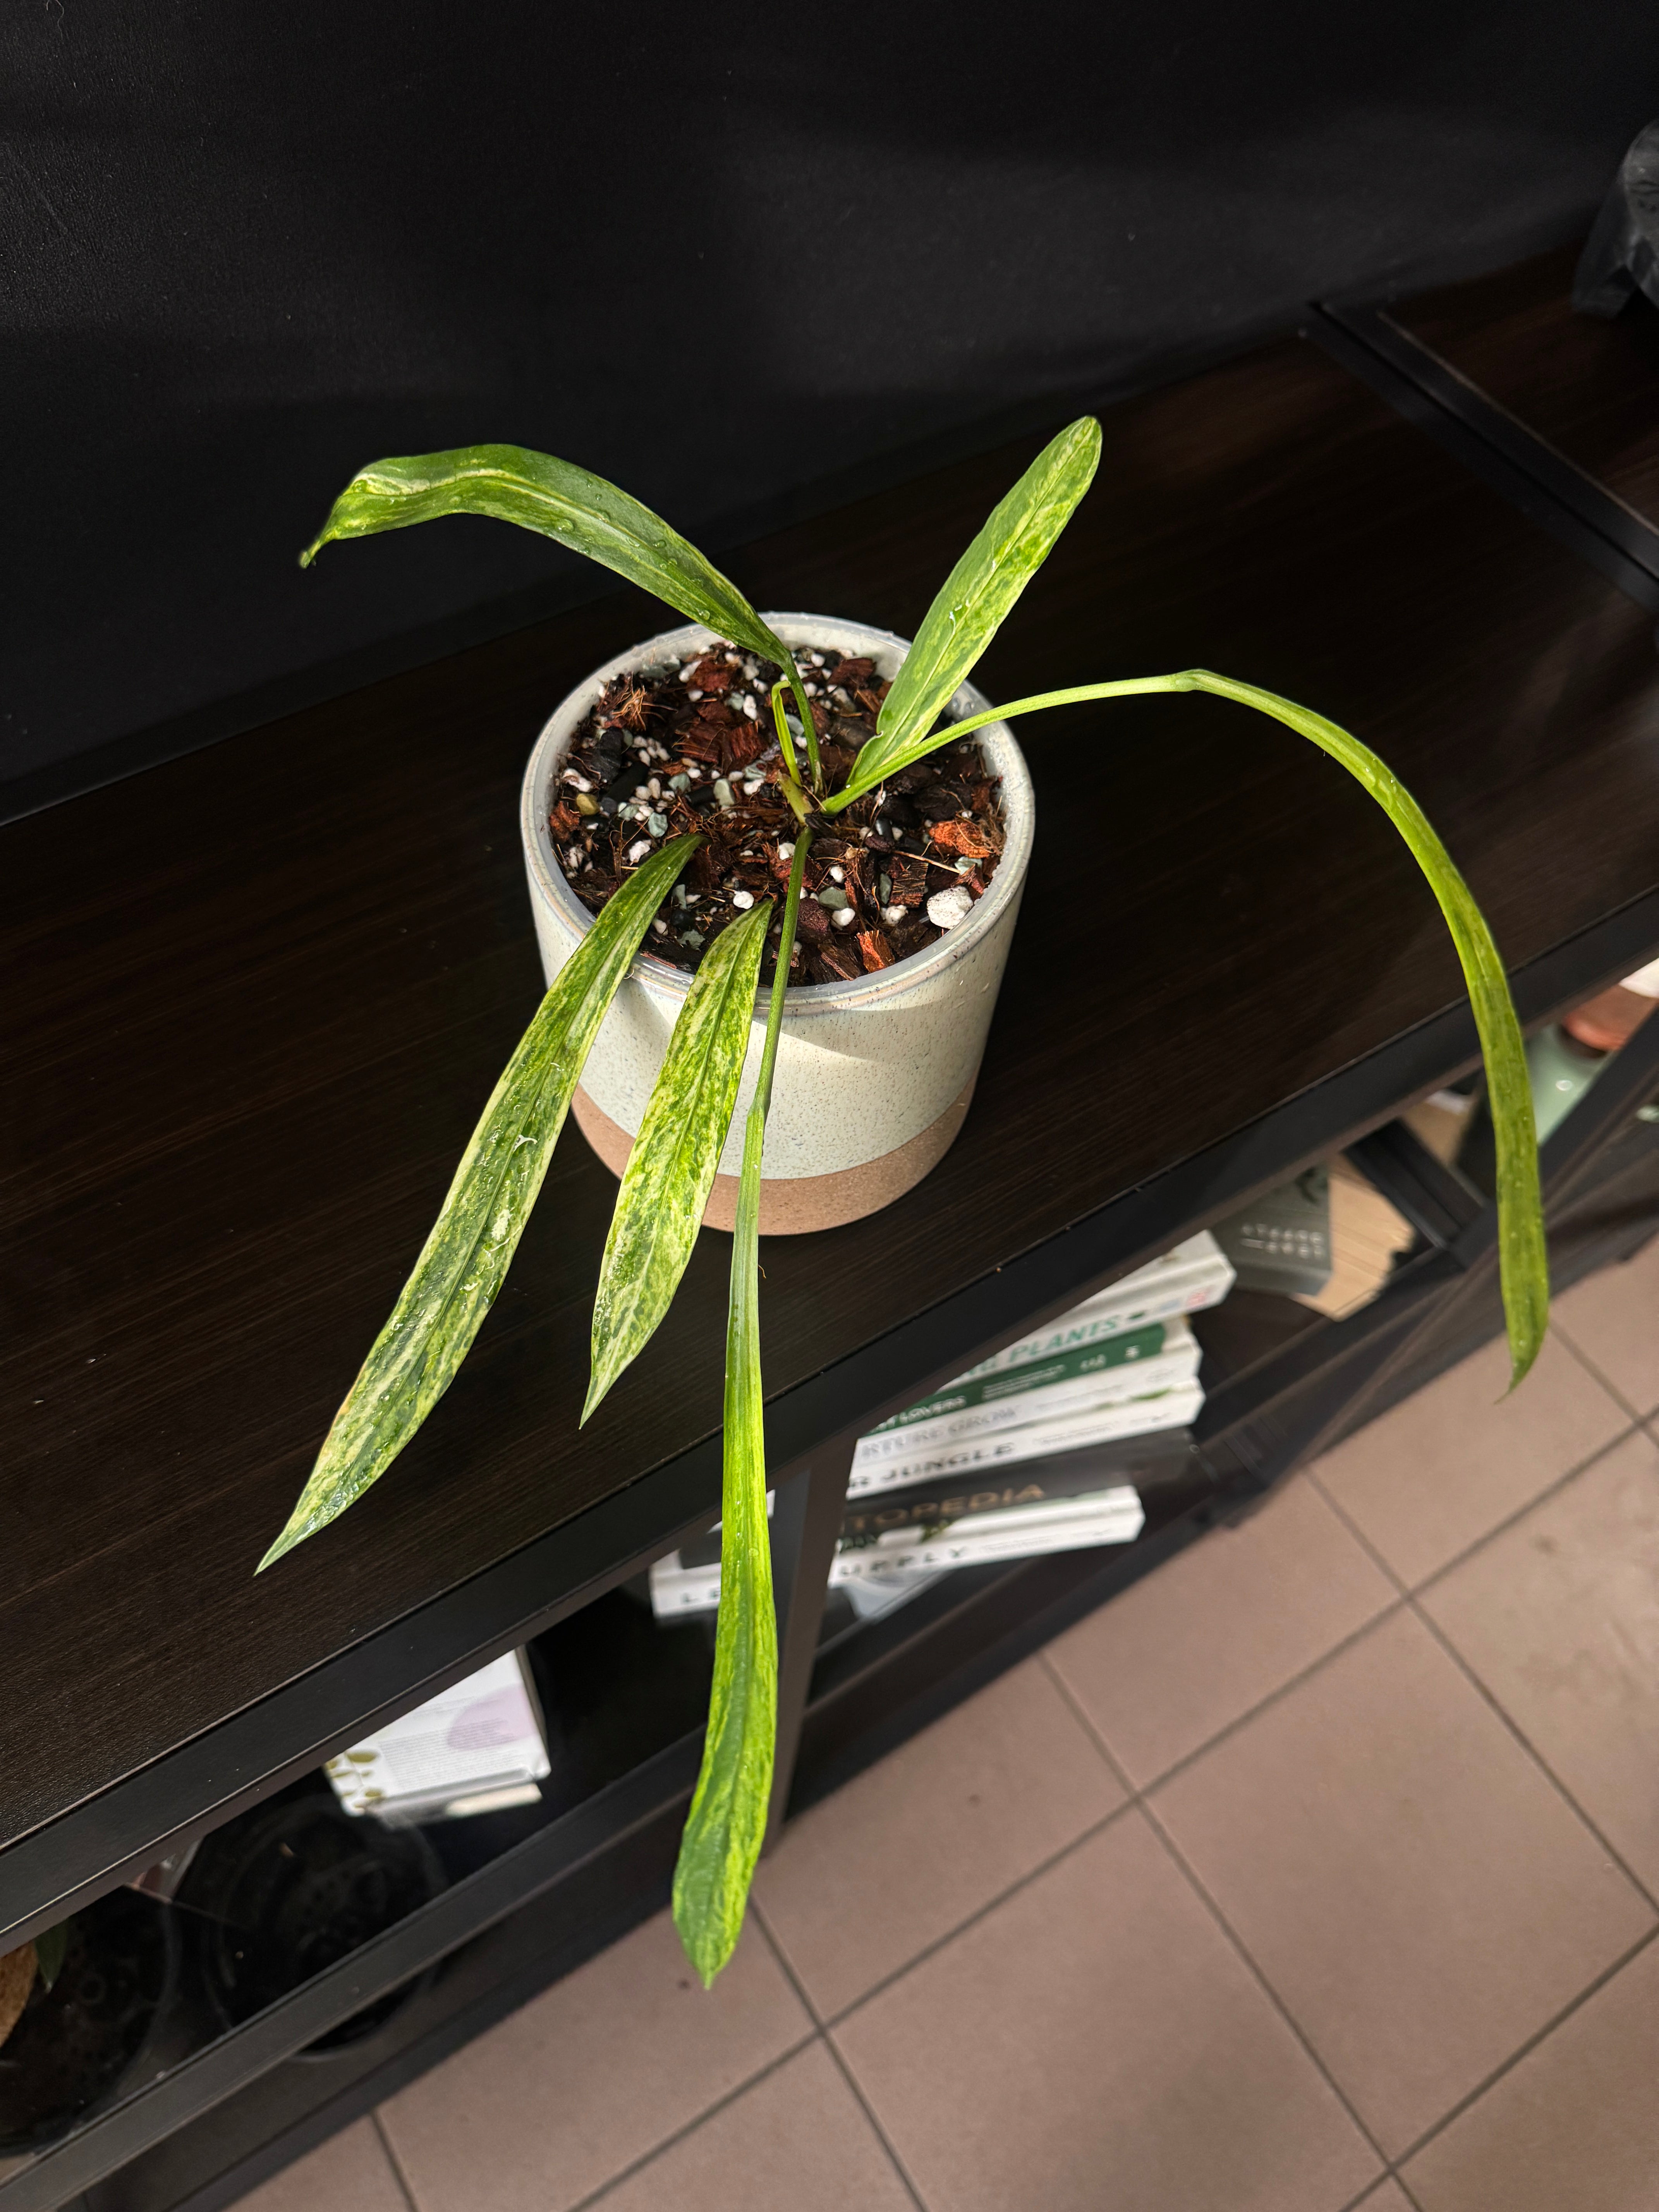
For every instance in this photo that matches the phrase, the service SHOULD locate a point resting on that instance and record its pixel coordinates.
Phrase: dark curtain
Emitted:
(716, 254)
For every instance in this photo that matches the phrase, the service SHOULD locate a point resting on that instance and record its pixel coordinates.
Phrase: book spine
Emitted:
(1137, 1345)
(1115, 1517)
(1111, 1516)
(1040, 1482)
(1188, 1292)
(1114, 1386)
(1171, 1409)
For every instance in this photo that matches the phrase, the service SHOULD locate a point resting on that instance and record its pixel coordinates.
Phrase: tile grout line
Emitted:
(1432, 1628)
(1371, 2189)
(1512, 1727)
(1392, 2166)
(1650, 1428)
(1541, 2035)
(394, 2161)
(689, 2127)
(1280, 2006)
(1273, 1996)
(838, 2057)
(1570, 1343)
(1552, 1489)
(1281, 1690)
(1139, 1801)
(1133, 1797)
(1119, 1774)
(980, 1912)
(1525, 1743)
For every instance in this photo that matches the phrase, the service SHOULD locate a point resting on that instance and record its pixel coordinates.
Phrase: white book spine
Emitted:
(1113, 1516)
(1114, 1386)
(1197, 1274)
(1099, 1424)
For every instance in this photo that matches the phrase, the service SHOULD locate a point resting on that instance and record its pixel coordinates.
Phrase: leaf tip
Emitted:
(289, 1537)
(1521, 1364)
(708, 1949)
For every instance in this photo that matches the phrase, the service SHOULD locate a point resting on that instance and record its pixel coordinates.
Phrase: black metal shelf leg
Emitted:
(806, 1523)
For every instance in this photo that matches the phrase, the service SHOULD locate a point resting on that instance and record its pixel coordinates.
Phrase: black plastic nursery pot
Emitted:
(77, 2043)
(285, 1891)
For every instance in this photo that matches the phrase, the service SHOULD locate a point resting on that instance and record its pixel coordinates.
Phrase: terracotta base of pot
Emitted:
(793, 1206)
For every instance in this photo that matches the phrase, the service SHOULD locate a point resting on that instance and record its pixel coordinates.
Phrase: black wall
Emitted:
(715, 253)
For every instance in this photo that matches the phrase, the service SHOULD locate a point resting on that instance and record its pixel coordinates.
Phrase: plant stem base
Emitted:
(795, 1206)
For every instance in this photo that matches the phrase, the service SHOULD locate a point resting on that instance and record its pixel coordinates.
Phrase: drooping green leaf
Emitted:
(727, 1825)
(1523, 1257)
(1523, 1260)
(979, 591)
(671, 1170)
(51, 1948)
(515, 484)
(413, 1360)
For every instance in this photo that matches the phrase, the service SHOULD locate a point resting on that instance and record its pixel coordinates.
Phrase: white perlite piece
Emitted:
(743, 899)
(946, 908)
(637, 851)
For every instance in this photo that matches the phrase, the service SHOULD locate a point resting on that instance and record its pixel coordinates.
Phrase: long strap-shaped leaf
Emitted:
(413, 1360)
(1523, 1258)
(727, 1825)
(671, 1170)
(1016, 540)
(515, 485)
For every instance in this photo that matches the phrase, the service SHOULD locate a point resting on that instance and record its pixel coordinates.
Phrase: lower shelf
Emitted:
(535, 1891)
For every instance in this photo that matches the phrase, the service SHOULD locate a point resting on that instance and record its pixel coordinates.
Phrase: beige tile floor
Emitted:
(1317, 1871)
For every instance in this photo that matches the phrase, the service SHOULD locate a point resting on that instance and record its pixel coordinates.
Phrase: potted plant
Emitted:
(279, 1894)
(678, 1046)
(81, 2009)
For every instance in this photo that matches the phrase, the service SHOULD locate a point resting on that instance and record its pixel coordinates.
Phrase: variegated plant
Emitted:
(672, 1168)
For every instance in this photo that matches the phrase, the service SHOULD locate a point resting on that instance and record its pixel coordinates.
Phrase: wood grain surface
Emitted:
(1588, 386)
(255, 998)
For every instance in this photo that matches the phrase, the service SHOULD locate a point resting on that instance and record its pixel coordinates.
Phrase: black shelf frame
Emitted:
(602, 1864)
(1530, 473)
(230, 2113)
(811, 1431)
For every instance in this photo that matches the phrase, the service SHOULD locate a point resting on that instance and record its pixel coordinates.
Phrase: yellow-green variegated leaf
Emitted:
(413, 1360)
(979, 591)
(671, 1170)
(727, 1825)
(515, 484)
(1522, 1256)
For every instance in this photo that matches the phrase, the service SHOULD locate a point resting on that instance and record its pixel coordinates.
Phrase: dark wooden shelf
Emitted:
(1555, 410)
(259, 995)
(1588, 386)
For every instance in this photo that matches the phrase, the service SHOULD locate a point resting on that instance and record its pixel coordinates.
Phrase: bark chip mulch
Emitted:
(692, 745)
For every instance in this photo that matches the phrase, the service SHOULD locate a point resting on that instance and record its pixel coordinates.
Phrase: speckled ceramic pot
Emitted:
(874, 1076)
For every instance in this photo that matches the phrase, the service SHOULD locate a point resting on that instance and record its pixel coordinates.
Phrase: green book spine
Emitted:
(1086, 1359)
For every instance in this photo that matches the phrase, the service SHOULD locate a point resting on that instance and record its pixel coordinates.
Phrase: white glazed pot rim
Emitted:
(662, 975)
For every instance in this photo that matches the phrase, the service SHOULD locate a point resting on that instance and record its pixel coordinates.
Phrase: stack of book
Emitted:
(1044, 1447)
